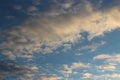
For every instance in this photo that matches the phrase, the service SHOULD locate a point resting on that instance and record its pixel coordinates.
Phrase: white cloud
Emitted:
(76, 65)
(87, 75)
(107, 67)
(102, 56)
(110, 62)
(54, 78)
(112, 58)
(107, 76)
(34, 68)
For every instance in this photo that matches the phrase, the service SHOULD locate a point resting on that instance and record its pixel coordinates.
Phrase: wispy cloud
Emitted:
(107, 76)
(108, 57)
(107, 67)
(93, 47)
(102, 56)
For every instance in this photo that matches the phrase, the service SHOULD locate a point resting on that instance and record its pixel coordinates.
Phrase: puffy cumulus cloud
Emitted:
(52, 31)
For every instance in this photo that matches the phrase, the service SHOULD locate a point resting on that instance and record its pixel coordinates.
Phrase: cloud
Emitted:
(107, 76)
(79, 65)
(92, 47)
(54, 77)
(102, 56)
(109, 62)
(17, 7)
(34, 68)
(16, 70)
(87, 75)
(50, 77)
(74, 66)
(31, 9)
(107, 67)
(9, 54)
(53, 31)
(113, 58)
(59, 26)
(11, 69)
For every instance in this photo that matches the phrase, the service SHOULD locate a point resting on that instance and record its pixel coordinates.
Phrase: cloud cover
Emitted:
(55, 30)
(61, 24)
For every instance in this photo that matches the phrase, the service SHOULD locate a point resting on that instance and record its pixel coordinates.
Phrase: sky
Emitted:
(59, 40)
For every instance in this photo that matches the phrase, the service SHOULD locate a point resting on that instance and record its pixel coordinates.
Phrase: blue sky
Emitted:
(59, 40)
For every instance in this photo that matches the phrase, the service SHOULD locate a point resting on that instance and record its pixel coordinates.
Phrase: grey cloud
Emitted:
(10, 69)
(14, 70)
